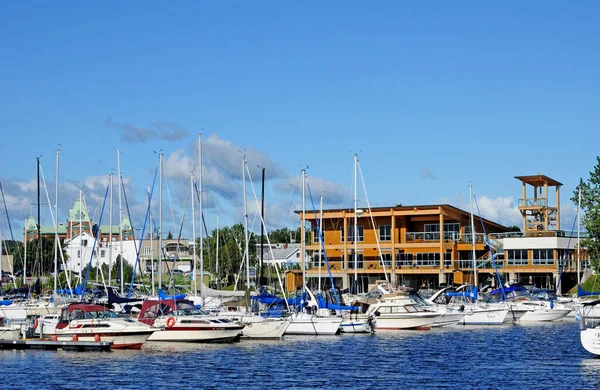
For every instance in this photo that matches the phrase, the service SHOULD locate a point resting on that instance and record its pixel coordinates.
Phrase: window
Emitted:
(102, 253)
(360, 234)
(359, 261)
(543, 256)
(342, 234)
(315, 234)
(448, 259)
(78, 254)
(84, 242)
(517, 257)
(403, 259)
(428, 259)
(385, 232)
(387, 259)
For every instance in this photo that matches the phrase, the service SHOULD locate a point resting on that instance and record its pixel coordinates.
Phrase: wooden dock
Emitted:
(80, 346)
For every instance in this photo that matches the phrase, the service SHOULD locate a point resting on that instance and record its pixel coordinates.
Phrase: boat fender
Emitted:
(35, 322)
(170, 322)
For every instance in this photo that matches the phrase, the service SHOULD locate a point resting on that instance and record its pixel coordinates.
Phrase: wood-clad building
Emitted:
(414, 245)
(432, 245)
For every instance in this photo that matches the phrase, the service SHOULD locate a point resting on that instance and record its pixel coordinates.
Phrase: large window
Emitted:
(543, 256)
(360, 233)
(387, 259)
(359, 261)
(451, 231)
(428, 259)
(403, 259)
(385, 232)
(517, 257)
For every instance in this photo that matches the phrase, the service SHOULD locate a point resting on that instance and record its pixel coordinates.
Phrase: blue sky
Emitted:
(431, 96)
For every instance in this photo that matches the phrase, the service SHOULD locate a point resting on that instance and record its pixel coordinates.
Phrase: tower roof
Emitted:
(538, 180)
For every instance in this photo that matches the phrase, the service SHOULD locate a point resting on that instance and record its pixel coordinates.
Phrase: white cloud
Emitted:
(501, 209)
(334, 195)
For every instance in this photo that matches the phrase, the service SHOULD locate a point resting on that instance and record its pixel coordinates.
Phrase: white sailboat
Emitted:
(304, 323)
(476, 312)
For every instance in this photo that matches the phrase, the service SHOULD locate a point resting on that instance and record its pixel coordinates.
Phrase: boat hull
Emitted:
(484, 317)
(590, 340)
(119, 340)
(197, 334)
(544, 315)
(421, 320)
(268, 329)
(310, 325)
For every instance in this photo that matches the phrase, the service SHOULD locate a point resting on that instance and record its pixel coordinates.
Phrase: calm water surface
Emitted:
(536, 356)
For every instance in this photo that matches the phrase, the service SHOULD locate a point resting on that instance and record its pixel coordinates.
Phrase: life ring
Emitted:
(170, 322)
(35, 322)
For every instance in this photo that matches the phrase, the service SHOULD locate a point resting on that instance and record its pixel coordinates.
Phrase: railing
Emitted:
(539, 233)
(533, 202)
(448, 236)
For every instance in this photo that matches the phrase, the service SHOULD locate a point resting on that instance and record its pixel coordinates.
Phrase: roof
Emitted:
(412, 207)
(538, 180)
(86, 307)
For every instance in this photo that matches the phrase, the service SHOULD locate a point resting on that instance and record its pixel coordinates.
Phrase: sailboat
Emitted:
(304, 322)
(478, 312)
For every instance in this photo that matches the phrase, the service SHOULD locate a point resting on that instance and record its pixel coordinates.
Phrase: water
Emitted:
(536, 356)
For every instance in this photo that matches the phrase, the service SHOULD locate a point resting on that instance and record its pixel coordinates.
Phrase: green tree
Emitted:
(169, 236)
(41, 261)
(590, 213)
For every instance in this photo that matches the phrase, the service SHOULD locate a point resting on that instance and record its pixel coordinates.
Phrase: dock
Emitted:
(79, 346)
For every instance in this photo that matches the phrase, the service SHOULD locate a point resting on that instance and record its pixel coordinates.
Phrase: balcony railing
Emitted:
(533, 202)
(448, 236)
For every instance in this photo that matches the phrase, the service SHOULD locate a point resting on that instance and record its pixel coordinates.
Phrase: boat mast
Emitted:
(578, 238)
(262, 231)
(110, 232)
(120, 181)
(246, 223)
(56, 228)
(320, 244)
(217, 256)
(194, 276)
(160, 166)
(473, 239)
(151, 243)
(80, 238)
(355, 228)
(200, 217)
(303, 238)
(39, 236)
(25, 256)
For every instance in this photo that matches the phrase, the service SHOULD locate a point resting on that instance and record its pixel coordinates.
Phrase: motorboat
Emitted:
(399, 311)
(90, 322)
(589, 328)
(183, 322)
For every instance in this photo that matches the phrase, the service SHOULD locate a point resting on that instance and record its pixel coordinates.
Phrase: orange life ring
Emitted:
(35, 322)
(170, 322)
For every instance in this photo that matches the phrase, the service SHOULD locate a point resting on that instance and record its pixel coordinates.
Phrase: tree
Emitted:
(169, 236)
(590, 213)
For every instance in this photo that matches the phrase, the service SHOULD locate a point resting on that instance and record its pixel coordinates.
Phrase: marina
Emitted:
(299, 195)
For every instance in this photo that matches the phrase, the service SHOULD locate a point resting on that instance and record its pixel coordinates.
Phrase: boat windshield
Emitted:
(90, 315)
(186, 309)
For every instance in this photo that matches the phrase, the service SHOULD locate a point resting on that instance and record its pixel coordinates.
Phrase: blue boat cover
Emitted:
(163, 296)
(582, 293)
